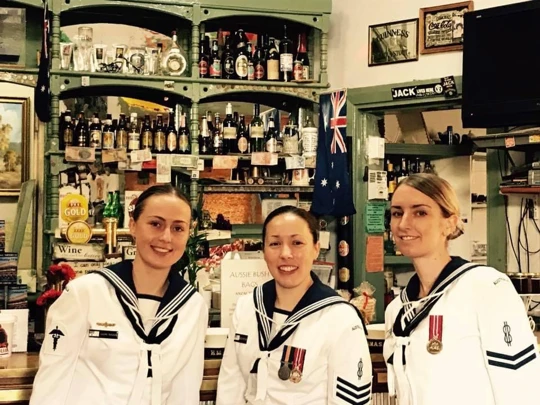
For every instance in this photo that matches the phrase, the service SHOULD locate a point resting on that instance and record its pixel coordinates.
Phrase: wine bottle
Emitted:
(285, 57)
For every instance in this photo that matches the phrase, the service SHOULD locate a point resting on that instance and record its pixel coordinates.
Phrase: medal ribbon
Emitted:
(435, 327)
(298, 363)
(286, 357)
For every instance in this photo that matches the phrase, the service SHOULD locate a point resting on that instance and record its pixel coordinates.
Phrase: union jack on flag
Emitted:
(338, 121)
(332, 193)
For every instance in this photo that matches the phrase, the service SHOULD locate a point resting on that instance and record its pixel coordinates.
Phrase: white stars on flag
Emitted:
(337, 184)
(324, 182)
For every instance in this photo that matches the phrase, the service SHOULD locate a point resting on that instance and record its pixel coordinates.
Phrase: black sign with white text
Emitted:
(446, 87)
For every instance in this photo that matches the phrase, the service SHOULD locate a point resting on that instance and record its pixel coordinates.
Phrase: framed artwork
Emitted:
(393, 42)
(441, 27)
(12, 35)
(14, 144)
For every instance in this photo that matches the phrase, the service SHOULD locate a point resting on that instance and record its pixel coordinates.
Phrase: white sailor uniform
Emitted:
(318, 356)
(468, 342)
(98, 351)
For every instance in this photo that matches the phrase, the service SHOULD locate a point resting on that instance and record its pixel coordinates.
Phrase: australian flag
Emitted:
(42, 92)
(332, 194)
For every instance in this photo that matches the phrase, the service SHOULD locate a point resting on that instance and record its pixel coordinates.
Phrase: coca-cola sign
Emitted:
(442, 27)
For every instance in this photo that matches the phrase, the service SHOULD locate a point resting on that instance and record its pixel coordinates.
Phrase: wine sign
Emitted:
(441, 27)
(393, 42)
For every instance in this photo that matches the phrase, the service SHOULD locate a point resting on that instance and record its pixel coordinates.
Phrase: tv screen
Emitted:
(501, 66)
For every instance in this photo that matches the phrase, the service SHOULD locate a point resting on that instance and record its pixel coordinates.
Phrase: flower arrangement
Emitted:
(58, 276)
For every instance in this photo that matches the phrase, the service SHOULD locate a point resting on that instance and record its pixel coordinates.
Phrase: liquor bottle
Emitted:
(215, 61)
(272, 62)
(403, 173)
(301, 61)
(227, 61)
(256, 131)
(95, 133)
(174, 61)
(172, 135)
(450, 133)
(217, 137)
(122, 133)
(242, 141)
(108, 210)
(417, 165)
(259, 58)
(285, 57)
(241, 57)
(204, 62)
(108, 133)
(391, 179)
(160, 141)
(134, 136)
(251, 68)
(209, 122)
(290, 137)
(205, 143)
(271, 136)
(81, 131)
(229, 131)
(147, 137)
(309, 137)
(184, 138)
(67, 133)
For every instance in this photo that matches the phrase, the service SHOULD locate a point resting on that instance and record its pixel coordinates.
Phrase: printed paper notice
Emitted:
(374, 216)
(374, 254)
(163, 172)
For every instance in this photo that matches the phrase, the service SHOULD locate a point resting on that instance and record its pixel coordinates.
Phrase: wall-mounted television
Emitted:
(501, 66)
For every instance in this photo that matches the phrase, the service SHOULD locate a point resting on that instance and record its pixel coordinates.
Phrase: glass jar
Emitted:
(535, 283)
(520, 282)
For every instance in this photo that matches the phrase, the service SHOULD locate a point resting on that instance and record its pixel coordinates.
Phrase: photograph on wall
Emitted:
(441, 27)
(12, 35)
(393, 42)
(14, 139)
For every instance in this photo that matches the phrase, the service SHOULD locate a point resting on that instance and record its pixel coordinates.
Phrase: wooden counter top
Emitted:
(16, 378)
(19, 365)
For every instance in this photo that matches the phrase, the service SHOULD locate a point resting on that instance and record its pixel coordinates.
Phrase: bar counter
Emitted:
(18, 371)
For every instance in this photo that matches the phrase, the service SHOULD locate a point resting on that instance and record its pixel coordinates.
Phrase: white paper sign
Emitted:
(239, 277)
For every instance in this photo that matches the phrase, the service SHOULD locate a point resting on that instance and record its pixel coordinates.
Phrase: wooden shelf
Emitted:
(520, 140)
(243, 188)
(390, 260)
(520, 190)
(428, 150)
(478, 205)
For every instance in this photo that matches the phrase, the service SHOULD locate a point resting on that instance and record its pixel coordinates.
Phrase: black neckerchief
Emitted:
(120, 276)
(317, 297)
(404, 326)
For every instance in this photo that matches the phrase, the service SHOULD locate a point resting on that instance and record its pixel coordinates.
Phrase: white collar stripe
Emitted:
(117, 281)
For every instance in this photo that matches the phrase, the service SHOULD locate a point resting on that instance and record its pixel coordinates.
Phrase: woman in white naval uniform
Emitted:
(294, 341)
(458, 333)
(133, 333)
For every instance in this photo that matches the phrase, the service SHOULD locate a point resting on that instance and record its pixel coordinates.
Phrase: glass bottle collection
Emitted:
(234, 57)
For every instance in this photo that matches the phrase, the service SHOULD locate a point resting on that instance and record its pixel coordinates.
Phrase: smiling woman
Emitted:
(290, 343)
(132, 333)
(454, 319)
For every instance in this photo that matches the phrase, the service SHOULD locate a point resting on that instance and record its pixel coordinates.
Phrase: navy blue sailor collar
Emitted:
(317, 297)
(405, 324)
(120, 276)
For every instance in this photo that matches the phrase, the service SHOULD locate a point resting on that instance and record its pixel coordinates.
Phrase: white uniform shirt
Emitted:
(475, 325)
(96, 349)
(322, 341)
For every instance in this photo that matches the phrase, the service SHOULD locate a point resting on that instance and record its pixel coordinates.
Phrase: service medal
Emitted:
(296, 376)
(434, 346)
(284, 372)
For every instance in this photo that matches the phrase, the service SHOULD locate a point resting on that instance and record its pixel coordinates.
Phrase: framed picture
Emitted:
(14, 144)
(393, 42)
(12, 36)
(441, 27)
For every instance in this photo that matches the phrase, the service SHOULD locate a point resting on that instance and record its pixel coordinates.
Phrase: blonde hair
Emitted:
(440, 191)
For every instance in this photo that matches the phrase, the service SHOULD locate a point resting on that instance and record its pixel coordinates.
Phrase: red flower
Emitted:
(48, 297)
